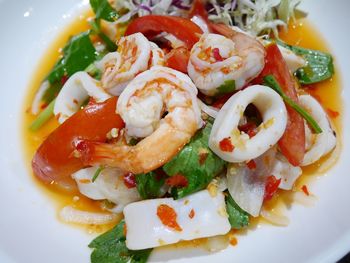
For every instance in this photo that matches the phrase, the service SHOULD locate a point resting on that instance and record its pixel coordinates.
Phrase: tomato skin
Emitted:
(182, 28)
(292, 143)
(54, 160)
(178, 59)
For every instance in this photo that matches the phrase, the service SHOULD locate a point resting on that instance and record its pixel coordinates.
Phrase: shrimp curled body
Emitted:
(274, 116)
(215, 59)
(142, 104)
(135, 54)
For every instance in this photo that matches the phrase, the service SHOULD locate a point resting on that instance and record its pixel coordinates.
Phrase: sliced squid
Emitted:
(78, 88)
(215, 59)
(135, 54)
(246, 184)
(108, 185)
(293, 60)
(274, 115)
(142, 106)
(196, 216)
(283, 170)
(319, 144)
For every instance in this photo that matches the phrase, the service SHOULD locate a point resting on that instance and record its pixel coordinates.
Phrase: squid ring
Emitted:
(243, 148)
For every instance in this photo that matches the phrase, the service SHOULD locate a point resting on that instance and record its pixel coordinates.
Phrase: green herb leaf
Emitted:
(228, 87)
(43, 117)
(196, 162)
(270, 81)
(77, 55)
(319, 64)
(96, 28)
(237, 217)
(97, 173)
(150, 185)
(103, 10)
(110, 247)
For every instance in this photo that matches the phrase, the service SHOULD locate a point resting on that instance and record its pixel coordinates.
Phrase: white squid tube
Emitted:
(78, 88)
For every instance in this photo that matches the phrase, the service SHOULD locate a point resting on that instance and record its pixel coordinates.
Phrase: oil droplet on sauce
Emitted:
(302, 33)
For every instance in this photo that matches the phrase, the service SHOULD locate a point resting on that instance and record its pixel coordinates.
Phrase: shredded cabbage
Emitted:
(253, 16)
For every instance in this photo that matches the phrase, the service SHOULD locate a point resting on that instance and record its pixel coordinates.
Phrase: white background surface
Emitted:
(29, 230)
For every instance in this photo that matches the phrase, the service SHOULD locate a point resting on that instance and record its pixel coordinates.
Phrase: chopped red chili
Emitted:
(191, 214)
(271, 187)
(251, 165)
(226, 145)
(249, 128)
(177, 180)
(64, 79)
(168, 217)
(305, 190)
(333, 114)
(129, 180)
(216, 54)
(202, 158)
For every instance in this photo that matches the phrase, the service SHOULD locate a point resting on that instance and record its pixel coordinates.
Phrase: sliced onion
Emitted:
(211, 111)
(303, 199)
(278, 220)
(39, 96)
(71, 215)
(217, 243)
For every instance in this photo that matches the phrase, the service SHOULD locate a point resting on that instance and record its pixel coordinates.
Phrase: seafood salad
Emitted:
(188, 115)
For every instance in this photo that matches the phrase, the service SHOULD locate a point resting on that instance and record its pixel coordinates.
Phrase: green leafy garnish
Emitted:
(110, 247)
(150, 185)
(77, 55)
(319, 65)
(96, 28)
(97, 173)
(43, 117)
(103, 10)
(196, 162)
(228, 87)
(270, 81)
(237, 217)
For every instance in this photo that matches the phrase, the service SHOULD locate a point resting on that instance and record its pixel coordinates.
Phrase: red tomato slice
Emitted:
(54, 160)
(198, 9)
(292, 143)
(178, 59)
(182, 28)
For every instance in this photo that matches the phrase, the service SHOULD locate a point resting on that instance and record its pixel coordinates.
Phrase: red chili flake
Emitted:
(305, 190)
(168, 216)
(233, 241)
(177, 180)
(216, 54)
(43, 106)
(333, 114)
(248, 128)
(64, 79)
(202, 157)
(191, 214)
(226, 145)
(129, 180)
(75, 101)
(251, 165)
(271, 187)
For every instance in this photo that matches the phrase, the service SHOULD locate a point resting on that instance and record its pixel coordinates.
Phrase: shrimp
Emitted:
(141, 105)
(321, 144)
(78, 88)
(216, 59)
(135, 54)
(242, 147)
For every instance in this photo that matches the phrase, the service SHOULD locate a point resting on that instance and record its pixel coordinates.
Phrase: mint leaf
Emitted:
(227, 87)
(77, 55)
(150, 185)
(319, 64)
(196, 162)
(110, 247)
(236, 216)
(103, 10)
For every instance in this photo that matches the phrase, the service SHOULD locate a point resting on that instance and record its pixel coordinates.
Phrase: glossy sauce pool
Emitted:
(303, 34)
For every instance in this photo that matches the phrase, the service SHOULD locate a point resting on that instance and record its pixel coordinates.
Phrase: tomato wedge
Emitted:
(292, 143)
(178, 59)
(54, 160)
(182, 28)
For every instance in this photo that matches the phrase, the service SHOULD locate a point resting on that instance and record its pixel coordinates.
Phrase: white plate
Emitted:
(29, 230)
